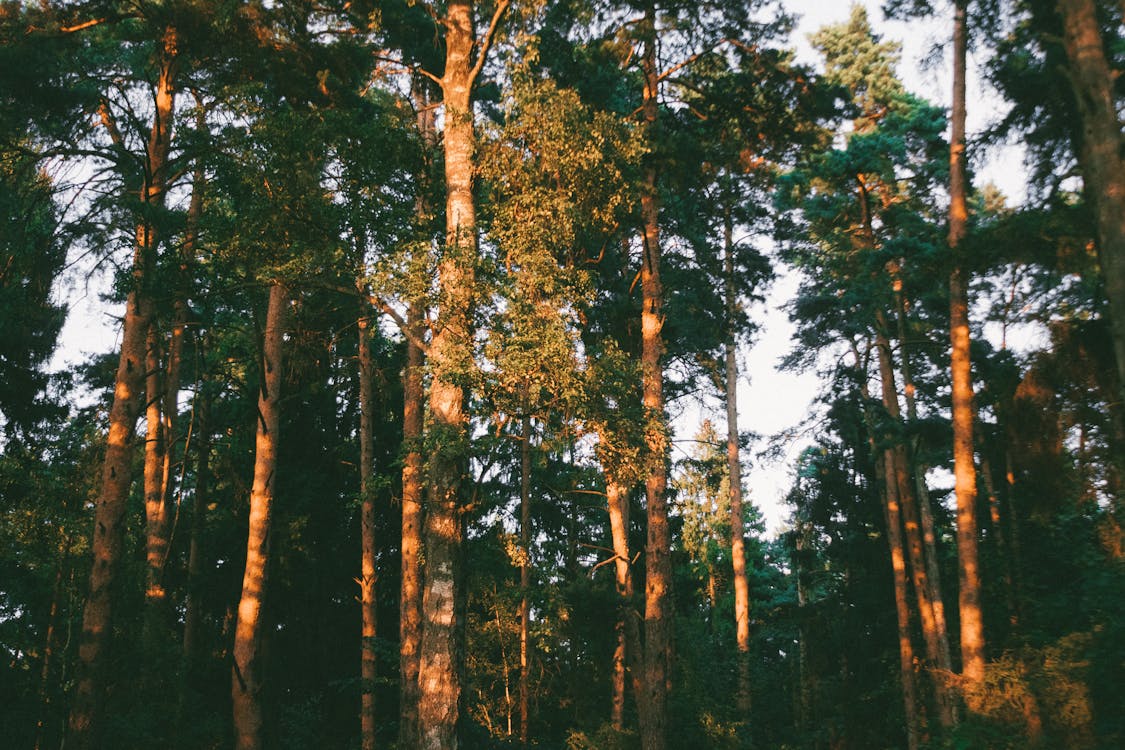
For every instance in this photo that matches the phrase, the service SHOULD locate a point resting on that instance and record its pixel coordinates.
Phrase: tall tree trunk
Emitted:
(658, 567)
(619, 526)
(902, 606)
(246, 677)
(157, 517)
(128, 401)
(525, 572)
(1100, 154)
(49, 645)
(627, 654)
(410, 596)
(200, 498)
(898, 472)
(450, 356)
(884, 463)
(734, 469)
(805, 688)
(965, 479)
(368, 574)
(997, 528)
(410, 600)
(925, 507)
(201, 415)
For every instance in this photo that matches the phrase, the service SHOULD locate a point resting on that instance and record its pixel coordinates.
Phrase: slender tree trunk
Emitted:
(157, 517)
(368, 574)
(1100, 155)
(898, 472)
(925, 508)
(902, 606)
(200, 498)
(247, 677)
(884, 463)
(805, 688)
(450, 356)
(525, 572)
(964, 472)
(410, 601)
(128, 401)
(734, 468)
(49, 646)
(627, 654)
(658, 567)
(996, 517)
(410, 598)
(162, 386)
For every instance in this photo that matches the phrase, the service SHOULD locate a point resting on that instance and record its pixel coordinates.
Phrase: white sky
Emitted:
(770, 401)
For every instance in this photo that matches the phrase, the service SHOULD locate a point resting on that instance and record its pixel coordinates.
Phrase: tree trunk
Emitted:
(658, 567)
(525, 571)
(128, 400)
(410, 597)
(195, 543)
(368, 574)
(49, 646)
(902, 606)
(734, 468)
(246, 677)
(627, 654)
(965, 480)
(899, 474)
(1100, 155)
(883, 462)
(805, 689)
(157, 517)
(925, 508)
(450, 356)
(410, 600)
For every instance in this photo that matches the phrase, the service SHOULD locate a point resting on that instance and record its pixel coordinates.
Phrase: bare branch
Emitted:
(486, 42)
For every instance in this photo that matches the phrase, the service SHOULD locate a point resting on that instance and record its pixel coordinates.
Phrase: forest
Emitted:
(419, 424)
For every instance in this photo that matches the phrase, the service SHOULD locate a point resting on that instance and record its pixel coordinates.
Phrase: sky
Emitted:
(771, 402)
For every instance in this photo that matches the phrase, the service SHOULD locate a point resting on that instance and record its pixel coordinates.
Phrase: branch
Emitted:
(402, 324)
(379, 302)
(408, 67)
(486, 43)
(690, 60)
(110, 124)
(83, 25)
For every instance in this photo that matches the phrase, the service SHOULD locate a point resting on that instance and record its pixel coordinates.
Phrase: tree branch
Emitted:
(486, 42)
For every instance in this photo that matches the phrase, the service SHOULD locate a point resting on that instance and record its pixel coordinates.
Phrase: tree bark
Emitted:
(525, 573)
(450, 356)
(964, 472)
(1100, 154)
(128, 401)
(368, 573)
(925, 508)
(628, 659)
(410, 600)
(658, 567)
(410, 597)
(618, 501)
(902, 606)
(49, 645)
(734, 469)
(883, 461)
(200, 499)
(898, 472)
(247, 677)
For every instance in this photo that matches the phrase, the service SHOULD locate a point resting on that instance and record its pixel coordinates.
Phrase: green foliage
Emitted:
(32, 256)
(292, 124)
